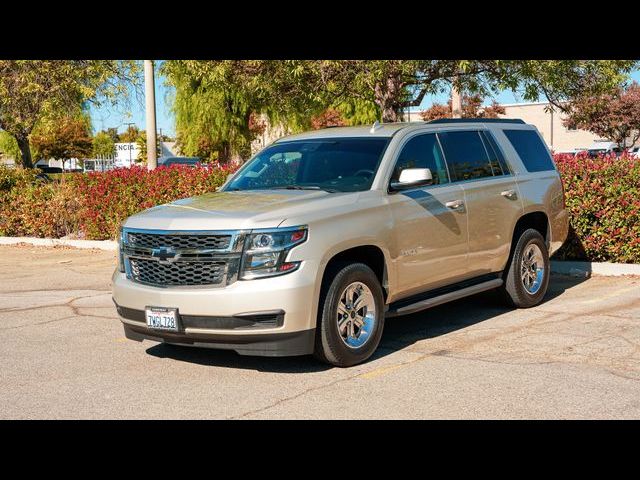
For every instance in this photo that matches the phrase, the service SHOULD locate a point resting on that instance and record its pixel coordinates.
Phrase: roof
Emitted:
(384, 130)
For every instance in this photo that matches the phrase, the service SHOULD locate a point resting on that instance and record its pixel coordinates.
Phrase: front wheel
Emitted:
(527, 276)
(351, 316)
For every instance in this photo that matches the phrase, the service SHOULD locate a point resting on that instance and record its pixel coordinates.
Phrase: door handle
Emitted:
(455, 205)
(510, 194)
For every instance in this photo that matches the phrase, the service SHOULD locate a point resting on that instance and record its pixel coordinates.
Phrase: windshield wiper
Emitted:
(304, 187)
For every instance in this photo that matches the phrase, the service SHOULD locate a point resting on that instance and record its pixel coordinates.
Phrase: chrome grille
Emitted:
(177, 273)
(186, 242)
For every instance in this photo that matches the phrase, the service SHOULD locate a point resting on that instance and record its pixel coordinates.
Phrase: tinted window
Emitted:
(466, 156)
(342, 164)
(422, 151)
(498, 163)
(531, 150)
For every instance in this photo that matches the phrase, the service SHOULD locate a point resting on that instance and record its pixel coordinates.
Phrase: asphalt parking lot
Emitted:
(64, 355)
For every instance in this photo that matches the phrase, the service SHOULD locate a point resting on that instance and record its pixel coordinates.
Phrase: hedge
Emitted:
(94, 205)
(602, 196)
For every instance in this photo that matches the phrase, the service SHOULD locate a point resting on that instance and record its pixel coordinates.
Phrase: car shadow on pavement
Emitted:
(399, 333)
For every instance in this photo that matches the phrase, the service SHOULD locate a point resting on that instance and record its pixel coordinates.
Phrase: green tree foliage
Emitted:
(31, 90)
(130, 135)
(141, 141)
(103, 145)
(9, 147)
(215, 100)
(64, 138)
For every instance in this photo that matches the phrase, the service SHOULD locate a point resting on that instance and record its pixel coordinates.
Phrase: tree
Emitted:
(214, 100)
(329, 118)
(65, 138)
(613, 116)
(103, 145)
(395, 85)
(141, 141)
(130, 135)
(471, 108)
(31, 90)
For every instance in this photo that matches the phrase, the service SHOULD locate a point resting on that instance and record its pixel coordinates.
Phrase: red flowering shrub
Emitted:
(94, 205)
(603, 198)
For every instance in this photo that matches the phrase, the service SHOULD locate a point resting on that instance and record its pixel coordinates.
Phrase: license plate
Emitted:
(161, 318)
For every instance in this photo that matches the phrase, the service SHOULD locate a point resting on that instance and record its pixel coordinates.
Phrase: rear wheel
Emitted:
(351, 316)
(527, 276)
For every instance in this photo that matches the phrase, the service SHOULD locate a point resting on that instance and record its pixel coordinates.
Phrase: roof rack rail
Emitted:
(477, 120)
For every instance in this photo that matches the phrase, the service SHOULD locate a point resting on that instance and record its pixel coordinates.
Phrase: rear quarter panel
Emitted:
(539, 191)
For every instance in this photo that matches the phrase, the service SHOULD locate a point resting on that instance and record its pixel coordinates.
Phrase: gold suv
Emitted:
(321, 236)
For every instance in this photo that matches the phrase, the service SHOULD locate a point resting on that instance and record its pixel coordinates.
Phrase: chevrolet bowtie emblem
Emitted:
(165, 254)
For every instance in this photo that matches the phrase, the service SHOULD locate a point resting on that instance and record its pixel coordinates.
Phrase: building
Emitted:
(550, 124)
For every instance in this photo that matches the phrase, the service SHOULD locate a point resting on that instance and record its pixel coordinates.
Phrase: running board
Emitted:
(444, 298)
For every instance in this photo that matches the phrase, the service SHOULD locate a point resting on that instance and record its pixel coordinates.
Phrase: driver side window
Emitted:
(422, 151)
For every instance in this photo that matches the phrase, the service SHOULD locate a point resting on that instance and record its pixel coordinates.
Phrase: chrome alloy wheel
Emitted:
(356, 315)
(532, 268)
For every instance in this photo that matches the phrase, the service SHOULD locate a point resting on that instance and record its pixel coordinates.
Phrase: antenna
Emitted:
(376, 125)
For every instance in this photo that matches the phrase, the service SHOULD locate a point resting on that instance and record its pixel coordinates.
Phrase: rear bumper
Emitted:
(267, 345)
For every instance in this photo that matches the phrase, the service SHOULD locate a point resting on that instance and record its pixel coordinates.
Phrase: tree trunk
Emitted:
(387, 97)
(224, 153)
(25, 150)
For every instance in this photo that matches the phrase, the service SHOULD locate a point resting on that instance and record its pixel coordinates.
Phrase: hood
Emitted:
(236, 210)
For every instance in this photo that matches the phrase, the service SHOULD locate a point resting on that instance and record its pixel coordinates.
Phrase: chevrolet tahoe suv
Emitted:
(321, 236)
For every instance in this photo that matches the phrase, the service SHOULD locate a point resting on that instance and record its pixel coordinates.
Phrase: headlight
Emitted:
(265, 252)
(120, 254)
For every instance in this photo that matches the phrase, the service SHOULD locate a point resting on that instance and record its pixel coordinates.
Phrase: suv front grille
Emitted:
(187, 242)
(174, 258)
(177, 273)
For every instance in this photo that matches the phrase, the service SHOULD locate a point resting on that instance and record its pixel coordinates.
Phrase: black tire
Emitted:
(513, 289)
(329, 347)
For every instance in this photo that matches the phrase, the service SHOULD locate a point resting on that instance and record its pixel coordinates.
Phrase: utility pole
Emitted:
(456, 102)
(456, 98)
(150, 97)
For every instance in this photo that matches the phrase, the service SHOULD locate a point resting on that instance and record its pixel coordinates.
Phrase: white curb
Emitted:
(52, 242)
(586, 269)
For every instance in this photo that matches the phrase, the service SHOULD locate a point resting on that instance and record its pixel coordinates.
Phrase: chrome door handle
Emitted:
(455, 205)
(510, 194)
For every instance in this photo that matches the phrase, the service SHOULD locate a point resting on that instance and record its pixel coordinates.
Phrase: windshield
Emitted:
(332, 164)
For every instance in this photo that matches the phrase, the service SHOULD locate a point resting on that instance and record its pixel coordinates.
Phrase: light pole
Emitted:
(150, 98)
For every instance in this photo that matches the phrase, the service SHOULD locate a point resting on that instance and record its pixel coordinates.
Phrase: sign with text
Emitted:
(126, 154)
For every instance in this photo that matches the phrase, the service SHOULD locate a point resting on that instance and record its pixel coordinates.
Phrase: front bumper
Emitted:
(272, 316)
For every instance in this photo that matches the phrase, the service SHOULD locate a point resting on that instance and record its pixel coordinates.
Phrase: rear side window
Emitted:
(422, 151)
(531, 150)
(466, 155)
(498, 163)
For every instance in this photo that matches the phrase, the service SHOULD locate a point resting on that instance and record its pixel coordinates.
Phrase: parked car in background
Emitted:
(604, 148)
(189, 161)
(322, 235)
(47, 169)
(634, 152)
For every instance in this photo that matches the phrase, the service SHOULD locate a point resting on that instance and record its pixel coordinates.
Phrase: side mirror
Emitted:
(413, 177)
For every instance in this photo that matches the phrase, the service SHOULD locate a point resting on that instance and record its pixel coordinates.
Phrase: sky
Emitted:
(108, 117)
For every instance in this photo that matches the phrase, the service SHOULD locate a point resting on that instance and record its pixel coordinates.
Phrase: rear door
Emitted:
(493, 206)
